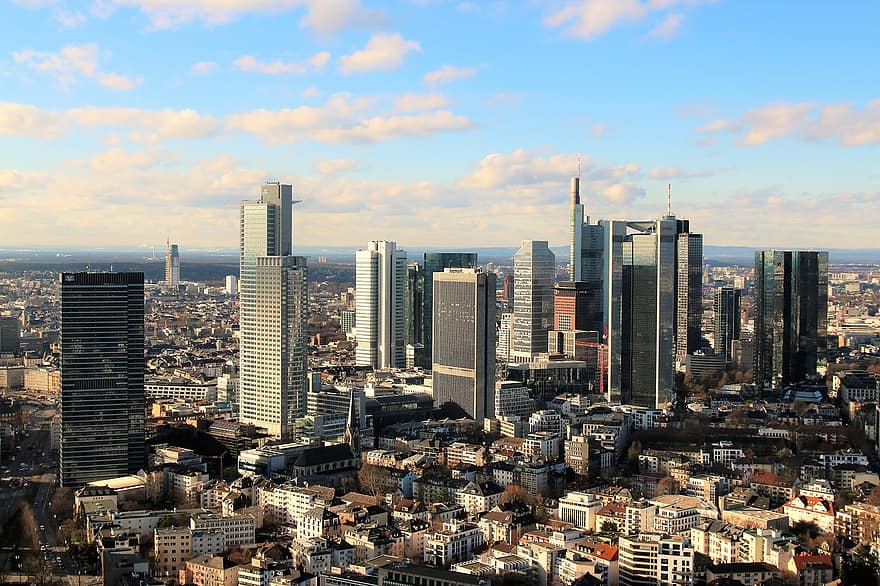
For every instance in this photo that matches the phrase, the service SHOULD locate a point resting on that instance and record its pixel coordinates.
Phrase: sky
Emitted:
(437, 123)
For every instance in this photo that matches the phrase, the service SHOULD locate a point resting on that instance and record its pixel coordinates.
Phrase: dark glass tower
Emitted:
(728, 301)
(435, 262)
(415, 304)
(689, 292)
(791, 315)
(102, 376)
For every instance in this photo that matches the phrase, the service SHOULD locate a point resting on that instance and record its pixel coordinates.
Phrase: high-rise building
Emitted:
(507, 291)
(436, 262)
(273, 311)
(102, 376)
(505, 337)
(380, 305)
(728, 321)
(576, 306)
(534, 271)
(172, 266)
(689, 292)
(464, 340)
(791, 315)
(587, 243)
(10, 334)
(639, 309)
(415, 304)
(231, 285)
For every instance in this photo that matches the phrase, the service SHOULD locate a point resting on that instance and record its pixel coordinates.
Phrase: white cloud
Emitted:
(449, 73)
(322, 16)
(71, 63)
(203, 68)
(334, 166)
(414, 102)
(504, 98)
(667, 28)
(676, 172)
(311, 92)
(69, 18)
(837, 122)
(590, 19)
(149, 125)
(27, 120)
(250, 64)
(382, 128)
(116, 159)
(383, 52)
(598, 130)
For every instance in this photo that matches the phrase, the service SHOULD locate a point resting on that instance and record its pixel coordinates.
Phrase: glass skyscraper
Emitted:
(728, 320)
(791, 315)
(102, 376)
(381, 305)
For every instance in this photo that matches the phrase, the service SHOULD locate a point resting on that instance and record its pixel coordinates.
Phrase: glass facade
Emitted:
(728, 321)
(534, 273)
(791, 315)
(435, 262)
(102, 376)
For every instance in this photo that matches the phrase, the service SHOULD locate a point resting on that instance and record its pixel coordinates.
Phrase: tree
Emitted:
(516, 492)
(667, 485)
(860, 567)
(634, 451)
(373, 480)
(608, 527)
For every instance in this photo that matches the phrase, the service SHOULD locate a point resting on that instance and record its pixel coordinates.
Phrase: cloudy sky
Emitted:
(434, 122)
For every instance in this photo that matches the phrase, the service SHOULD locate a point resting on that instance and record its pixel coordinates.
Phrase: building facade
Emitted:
(172, 266)
(437, 262)
(102, 376)
(464, 340)
(728, 321)
(791, 315)
(534, 269)
(273, 314)
(380, 305)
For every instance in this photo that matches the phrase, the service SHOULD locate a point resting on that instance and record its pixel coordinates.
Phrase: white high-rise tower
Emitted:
(380, 308)
(273, 314)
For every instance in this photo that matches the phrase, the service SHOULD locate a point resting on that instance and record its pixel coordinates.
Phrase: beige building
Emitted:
(209, 570)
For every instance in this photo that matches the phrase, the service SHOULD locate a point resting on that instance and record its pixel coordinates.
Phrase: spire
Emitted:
(352, 435)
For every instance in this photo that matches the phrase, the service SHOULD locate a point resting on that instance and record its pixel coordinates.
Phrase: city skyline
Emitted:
(386, 131)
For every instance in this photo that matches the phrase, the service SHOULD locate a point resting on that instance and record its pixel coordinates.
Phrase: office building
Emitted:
(507, 291)
(576, 306)
(273, 315)
(689, 292)
(102, 376)
(586, 242)
(728, 321)
(436, 262)
(10, 334)
(534, 271)
(639, 298)
(415, 305)
(503, 345)
(655, 558)
(231, 285)
(791, 315)
(380, 305)
(172, 266)
(464, 340)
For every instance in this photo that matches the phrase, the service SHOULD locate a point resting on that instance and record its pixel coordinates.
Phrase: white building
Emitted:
(580, 508)
(452, 544)
(273, 315)
(237, 529)
(380, 309)
(655, 558)
(511, 398)
(534, 270)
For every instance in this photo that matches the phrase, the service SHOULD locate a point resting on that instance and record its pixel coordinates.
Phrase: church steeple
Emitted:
(352, 435)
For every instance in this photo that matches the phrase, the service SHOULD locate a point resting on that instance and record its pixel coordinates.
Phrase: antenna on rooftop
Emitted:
(579, 166)
(669, 199)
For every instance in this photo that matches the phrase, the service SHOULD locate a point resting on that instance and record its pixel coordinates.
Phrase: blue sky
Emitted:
(437, 123)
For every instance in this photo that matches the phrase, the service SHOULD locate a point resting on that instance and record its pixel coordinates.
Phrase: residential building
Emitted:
(455, 542)
(655, 558)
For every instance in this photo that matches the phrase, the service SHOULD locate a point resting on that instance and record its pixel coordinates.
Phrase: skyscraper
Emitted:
(436, 262)
(102, 376)
(640, 305)
(172, 266)
(576, 306)
(10, 334)
(273, 314)
(534, 271)
(791, 315)
(507, 291)
(464, 340)
(689, 292)
(728, 321)
(587, 243)
(380, 305)
(415, 304)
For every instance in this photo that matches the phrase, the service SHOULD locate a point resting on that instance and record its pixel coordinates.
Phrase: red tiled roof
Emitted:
(803, 562)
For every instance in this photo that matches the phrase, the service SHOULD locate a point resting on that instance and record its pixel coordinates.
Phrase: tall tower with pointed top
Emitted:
(352, 435)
